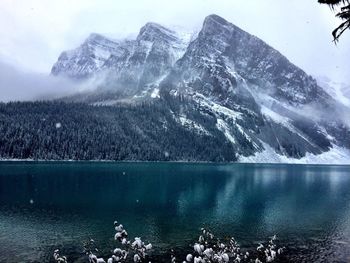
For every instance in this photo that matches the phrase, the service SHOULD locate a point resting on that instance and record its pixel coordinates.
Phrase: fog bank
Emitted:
(17, 85)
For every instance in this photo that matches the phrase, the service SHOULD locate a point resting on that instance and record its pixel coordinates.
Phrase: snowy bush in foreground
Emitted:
(208, 249)
(131, 249)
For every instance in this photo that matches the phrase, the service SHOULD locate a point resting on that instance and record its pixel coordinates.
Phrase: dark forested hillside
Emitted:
(149, 131)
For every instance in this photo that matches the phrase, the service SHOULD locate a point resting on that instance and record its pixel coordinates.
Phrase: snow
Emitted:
(289, 75)
(336, 155)
(106, 103)
(103, 48)
(147, 46)
(155, 93)
(184, 121)
(241, 130)
(274, 116)
(268, 103)
(230, 67)
(184, 38)
(101, 55)
(218, 109)
(90, 56)
(223, 127)
(339, 91)
(223, 114)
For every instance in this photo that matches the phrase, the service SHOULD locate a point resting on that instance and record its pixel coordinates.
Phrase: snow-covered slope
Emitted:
(89, 57)
(266, 107)
(336, 155)
(339, 91)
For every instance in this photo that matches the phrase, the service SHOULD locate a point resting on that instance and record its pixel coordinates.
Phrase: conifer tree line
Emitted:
(54, 130)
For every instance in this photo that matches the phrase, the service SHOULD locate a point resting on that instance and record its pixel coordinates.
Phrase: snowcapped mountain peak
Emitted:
(221, 51)
(216, 25)
(95, 37)
(155, 32)
(94, 41)
(215, 19)
(88, 58)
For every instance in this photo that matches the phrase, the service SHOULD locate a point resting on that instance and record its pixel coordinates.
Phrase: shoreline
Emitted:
(168, 162)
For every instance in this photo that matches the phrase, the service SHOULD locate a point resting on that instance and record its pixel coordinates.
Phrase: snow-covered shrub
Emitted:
(208, 249)
(58, 258)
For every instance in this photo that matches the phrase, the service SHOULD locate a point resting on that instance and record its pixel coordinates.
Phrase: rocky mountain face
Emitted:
(127, 66)
(260, 101)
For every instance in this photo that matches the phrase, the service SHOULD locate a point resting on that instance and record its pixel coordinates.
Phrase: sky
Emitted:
(34, 33)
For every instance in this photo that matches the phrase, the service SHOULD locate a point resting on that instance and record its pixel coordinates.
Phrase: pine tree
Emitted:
(343, 14)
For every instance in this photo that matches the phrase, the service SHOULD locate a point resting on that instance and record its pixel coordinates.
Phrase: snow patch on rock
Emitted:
(192, 125)
(336, 155)
(155, 93)
(223, 127)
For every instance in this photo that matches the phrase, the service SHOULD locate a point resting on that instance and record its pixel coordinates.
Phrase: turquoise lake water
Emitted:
(48, 205)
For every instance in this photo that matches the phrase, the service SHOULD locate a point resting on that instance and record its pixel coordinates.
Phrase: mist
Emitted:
(36, 32)
(17, 85)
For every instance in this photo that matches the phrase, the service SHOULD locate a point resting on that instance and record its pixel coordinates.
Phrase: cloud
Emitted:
(18, 85)
(35, 32)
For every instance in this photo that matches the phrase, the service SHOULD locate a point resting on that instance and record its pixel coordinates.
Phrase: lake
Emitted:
(48, 205)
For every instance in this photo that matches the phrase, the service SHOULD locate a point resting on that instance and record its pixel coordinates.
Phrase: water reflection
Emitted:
(307, 206)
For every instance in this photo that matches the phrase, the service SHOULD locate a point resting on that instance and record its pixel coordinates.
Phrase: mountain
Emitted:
(127, 66)
(220, 85)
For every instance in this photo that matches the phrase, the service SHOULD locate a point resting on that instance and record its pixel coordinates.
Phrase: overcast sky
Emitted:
(34, 33)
